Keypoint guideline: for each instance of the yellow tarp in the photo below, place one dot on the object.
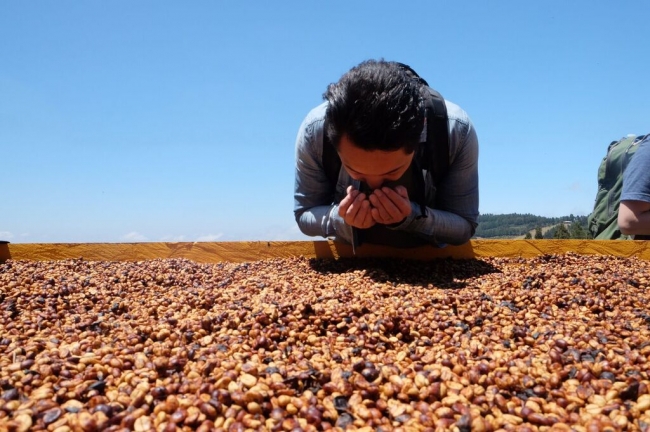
(253, 251)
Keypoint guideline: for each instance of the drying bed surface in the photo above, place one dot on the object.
(558, 342)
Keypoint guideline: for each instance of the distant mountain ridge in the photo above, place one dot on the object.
(513, 225)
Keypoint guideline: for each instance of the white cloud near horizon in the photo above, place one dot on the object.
(293, 233)
(173, 239)
(209, 237)
(134, 236)
(6, 235)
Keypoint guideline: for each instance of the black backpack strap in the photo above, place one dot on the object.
(436, 151)
(437, 136)
(331, 160)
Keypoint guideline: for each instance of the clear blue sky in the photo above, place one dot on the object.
(176, 121)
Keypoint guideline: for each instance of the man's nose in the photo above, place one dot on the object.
(374, 183)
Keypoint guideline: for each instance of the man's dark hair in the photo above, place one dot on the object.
(378, 105)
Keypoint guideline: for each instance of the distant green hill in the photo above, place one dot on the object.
(513, 225)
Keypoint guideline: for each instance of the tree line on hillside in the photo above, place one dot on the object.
(530, 226)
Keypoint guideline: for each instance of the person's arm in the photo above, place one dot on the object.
(634, 217)
(314, 208)
(455, 221)
(634, 209)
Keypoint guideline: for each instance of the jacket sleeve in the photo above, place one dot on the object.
(454, 219)
(314, 207)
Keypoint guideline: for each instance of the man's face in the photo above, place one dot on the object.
(373, 167)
